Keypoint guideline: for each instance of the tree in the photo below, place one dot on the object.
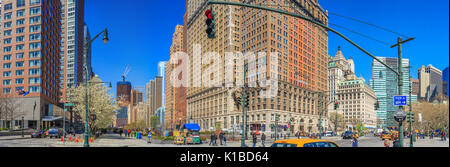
(100, 103)
(154, 122)
(10, 109)
(434, 116)
(340, 120)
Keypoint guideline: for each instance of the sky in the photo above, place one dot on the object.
(141, 34)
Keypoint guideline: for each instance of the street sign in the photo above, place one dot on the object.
(420, 117)
(400, 100)
(69, 104)
(400, 116)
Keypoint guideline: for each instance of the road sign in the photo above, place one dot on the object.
(400, 100)
(69, 104)
(420, 117)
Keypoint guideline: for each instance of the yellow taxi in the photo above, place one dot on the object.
(386, 136)
(304, 143)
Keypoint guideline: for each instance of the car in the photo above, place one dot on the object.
(347, 135)
(386, 135)
(329, 134)
(37, 134)
(304, 143)
(54, 132)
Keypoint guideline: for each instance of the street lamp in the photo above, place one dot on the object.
(88, 45)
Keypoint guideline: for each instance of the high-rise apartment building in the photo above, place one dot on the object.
(430, 79)
(30, 58)
(72, 46)
(302, 65)
(153, 97)
(385, 84)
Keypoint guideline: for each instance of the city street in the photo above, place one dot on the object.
(114, 140)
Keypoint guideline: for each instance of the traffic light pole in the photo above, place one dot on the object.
(244, 98)
(411, 121)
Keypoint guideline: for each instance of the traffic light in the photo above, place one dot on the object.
(210, 23)
(411, 117)
(377, 105)
(93, 117)
(277, 117)
(336, 106)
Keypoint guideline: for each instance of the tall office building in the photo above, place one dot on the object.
(153, 97)
(87, 54)
(123, 100)
(72, 42)
(385, 84)
(338, 68)
(302, 66)
(173, 103)
(430, 79)
(30, 58)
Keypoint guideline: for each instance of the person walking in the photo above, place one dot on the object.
(263, 140)
(224, 140)
(215, 139)
(355, 140)
(221, 138)
(129, 132)
(149, 135)
(120, 132)
(254, 140)
(212, 139)
(126, 132)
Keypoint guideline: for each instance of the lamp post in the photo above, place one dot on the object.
(88, 45)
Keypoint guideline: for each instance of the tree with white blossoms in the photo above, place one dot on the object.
(100, 103)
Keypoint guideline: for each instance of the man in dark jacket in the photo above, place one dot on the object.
(212, 139)
(263, 139)
(221, 138)
(254, 140)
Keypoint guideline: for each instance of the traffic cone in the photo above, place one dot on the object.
(62, 139)
(70, 138)
(92, 140)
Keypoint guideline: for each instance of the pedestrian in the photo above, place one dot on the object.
(387, 143)
(129, 132)
(224, 140)
(221, 138)
(254, 140)
(263, 139)
(212, 139)
(149, 135)
(120, 132)
(215, 139)
(396, 142)
(355, 140)
(126, 132)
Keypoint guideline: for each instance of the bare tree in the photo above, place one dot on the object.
(333, 121)
(10, 109)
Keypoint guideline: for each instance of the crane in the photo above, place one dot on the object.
(125, 72)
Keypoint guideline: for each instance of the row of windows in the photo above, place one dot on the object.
(33, 89)
(33, 46)
(21, 3)
(34, 54)
(33, 37)
(32, 63)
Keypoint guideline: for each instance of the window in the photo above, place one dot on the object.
(8, 15)
(20, 30)
(36, 19)
(35, 63)
(7, 49)
(20, 3)
(35, 54)
(6, 90)
(19, 39)
(7, 74)
(19, 55)
(35, 28)
(35, 11)
(35, 89)
(20, 22)
(36, 45)
(7, 82)
(7, 25)
(20, 13)
(20, 47)
(7, 33)
(6, 57)
(7, 65)
(35, 81)
(19, 81)
(7, 41)
(35, 2)
(19, 72)
(8, 6)
(35, 37)
(36, 71)
(20, 64)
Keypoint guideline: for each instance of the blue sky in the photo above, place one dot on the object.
(141, 33)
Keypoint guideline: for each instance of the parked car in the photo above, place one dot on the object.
(329, 134)
(347, 135)
(37, 134)
(304, 143)
(54, 132)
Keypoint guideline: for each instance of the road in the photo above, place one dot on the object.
(114, 140)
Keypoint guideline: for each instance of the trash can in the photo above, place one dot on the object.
(138, 135)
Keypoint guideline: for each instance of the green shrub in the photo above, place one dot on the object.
(168, 138)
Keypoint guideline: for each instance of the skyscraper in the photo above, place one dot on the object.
(72, 46)
(385, 84)
(30, 58)
(430, 83)
(338, 68)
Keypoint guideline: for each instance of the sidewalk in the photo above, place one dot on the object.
(14, 137)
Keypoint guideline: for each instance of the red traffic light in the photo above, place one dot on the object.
(208, 13)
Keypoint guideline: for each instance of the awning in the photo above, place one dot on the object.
(52, 118)
(193, 127)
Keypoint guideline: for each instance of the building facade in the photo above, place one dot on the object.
(338, 69)
(430, 79)
(30, 59)
(302, 66)
(385, 84)
(72, 42)
(445, 83)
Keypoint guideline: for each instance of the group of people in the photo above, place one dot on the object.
(255, 139)
(222, 137)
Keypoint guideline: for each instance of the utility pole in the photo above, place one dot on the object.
(400, 79)
(243, 101)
